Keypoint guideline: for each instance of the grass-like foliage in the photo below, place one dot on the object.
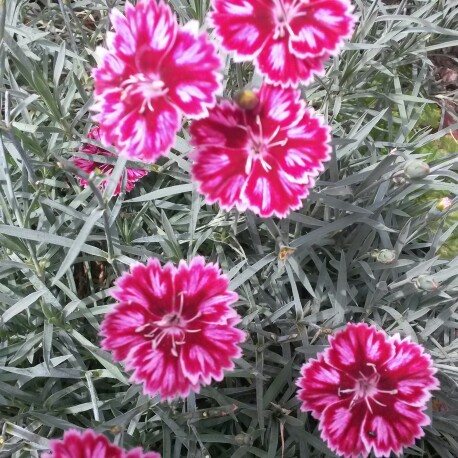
(368, 246)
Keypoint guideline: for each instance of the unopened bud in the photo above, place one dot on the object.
(444, 203)
(384, 256)
(243, 439)
(415, 169)
(246, 99)
(426, 283)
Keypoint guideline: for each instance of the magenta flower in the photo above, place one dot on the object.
(91, 445)
(152, 72)
(288, 39)
(174, 327)
(265, 159)
(133, 175)
(368, 391)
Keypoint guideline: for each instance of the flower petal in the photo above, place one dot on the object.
(307, 149)
(91, 166)
(281, 67)
(357, 348)
(319, 385)
(220, 174)
(411, 372)
(119, 329)
(321, 27)
(221, 128)
(341, 428)
(392, 427)
(87, 445)
(278, 108)
(190, 72)
(156, 28)
(160, 372)
(210, 353)
(271, 192)
(243, 25)
(150, 136)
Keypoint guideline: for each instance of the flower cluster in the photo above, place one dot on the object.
(368, 391)
(153, 71)
(174, 327)
(91, 445)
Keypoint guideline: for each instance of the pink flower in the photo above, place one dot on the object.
(133, 175)
(288, 39)
(265, 159)
(368, 391)
(174, 327)
(91, 445)
(152, 72)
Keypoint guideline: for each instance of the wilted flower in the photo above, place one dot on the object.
(285, 252)
(174, 327)
(91, 445)
(89, 166)
(368, 391)
(151, 73)
(415, 169)
(264, 159)
(289, 40)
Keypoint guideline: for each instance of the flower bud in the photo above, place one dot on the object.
(243, 439)
(444, 203)
(246, 99)
(426, 283)
(385, 256)
(415, 169)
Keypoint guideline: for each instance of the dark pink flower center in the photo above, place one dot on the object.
(283, 15)
(259, 145)
(366, 388)
(172, 326)
(145, 88)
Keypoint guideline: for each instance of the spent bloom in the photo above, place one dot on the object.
(89, 444)
(90, 166)
(174, 327)
(265, 157)
(289, 40)
(151, 73)
(368, 391)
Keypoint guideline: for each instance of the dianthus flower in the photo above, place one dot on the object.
(264, 158)
(368, 391)
(91, 445)
(152, 72)
(173, 326)
(89, 166)
(289, 40)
